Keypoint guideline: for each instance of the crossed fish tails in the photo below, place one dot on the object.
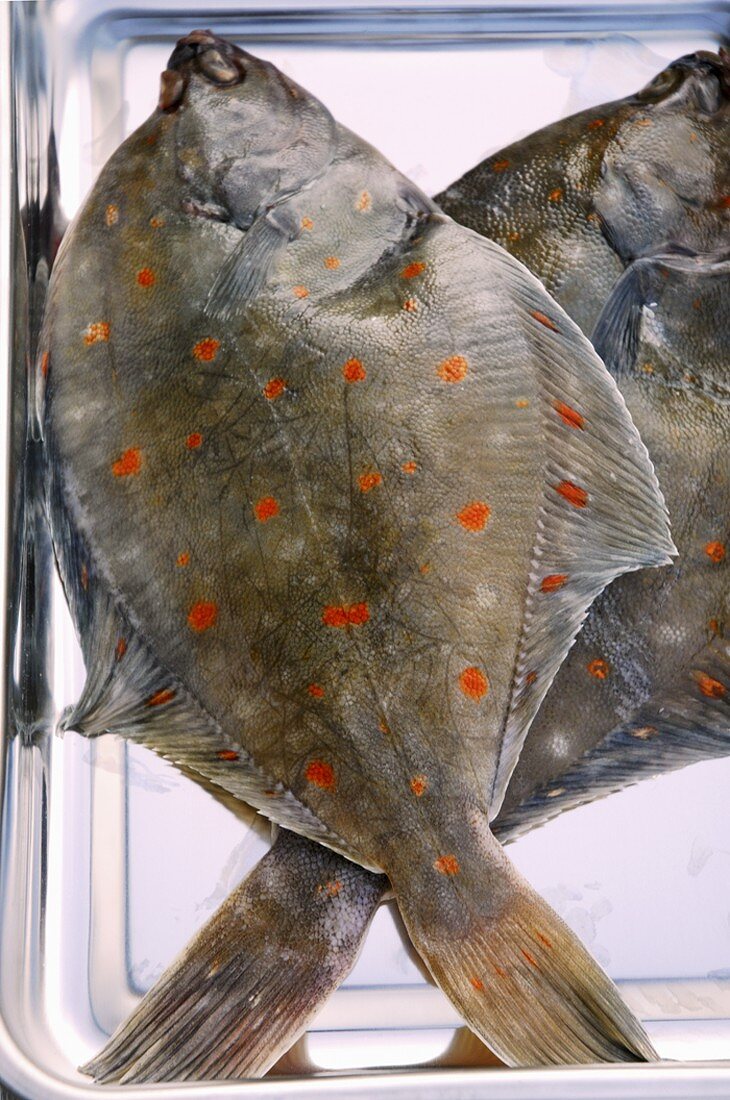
(331, 508)
(579, 200)
(647, 177)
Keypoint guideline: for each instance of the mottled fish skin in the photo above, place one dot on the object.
(325, 498)
(579, 200)
(646, 177)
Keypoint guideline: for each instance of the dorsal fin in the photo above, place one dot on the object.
(601, 513)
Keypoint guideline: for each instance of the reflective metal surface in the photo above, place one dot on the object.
(109, 860)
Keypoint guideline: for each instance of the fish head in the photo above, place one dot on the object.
(665, 182)
(246, 136)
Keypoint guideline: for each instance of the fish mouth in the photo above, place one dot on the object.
(220, 62)
(705, 74)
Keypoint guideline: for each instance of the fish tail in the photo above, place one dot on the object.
(510, 966)
(248, 984)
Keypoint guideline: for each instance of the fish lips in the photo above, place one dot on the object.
(218, 61)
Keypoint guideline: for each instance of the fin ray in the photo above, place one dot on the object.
(227, 1007)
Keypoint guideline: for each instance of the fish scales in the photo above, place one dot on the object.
(258, 520)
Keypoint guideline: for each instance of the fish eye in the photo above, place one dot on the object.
(220, 69)
(667, 81)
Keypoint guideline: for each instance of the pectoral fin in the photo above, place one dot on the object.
(247, 269)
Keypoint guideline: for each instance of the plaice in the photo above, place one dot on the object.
(325, 502)
(556, 230)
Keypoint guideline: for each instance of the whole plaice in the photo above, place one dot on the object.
(325, 500)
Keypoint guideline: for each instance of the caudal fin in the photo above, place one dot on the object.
(248, 984)
(512, 968)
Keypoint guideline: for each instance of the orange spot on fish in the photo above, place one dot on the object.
(474, 516)
(544, 939)
(316, 691)
(44, 364)
(146, 277)
(194, 441)
(419, 785)
(528, 956)
(477, 983)
(202, 615)
(331, 888)
(556, 195)
(715, 551)
(412, 270)
(453, 369)
(369, 481)
(300, 292)
(228, 754)
(129, 464)
(331, 263)
(335, 615)
(425, 568)
(97, 333)
(530, 678)
(499, 971)
(710, 687)
(157, 223)
(354, 371)
(409, 467)
(340, 615)
(364, 202)
(206, 350)
(410, 305)
(522, 403)
(514, 235)
(595, 124)
(544, 320)
(500, 166)
(121, 648)
(84, 577)
(713, 626)
(307, 223)
(358, 614)
(384, 727)
(274, 388)
(473, 683)
(447, 865)
(183, 559)
(553, 581)
(321, 775)
(644, 122)
(598, 668)
(572, 493)
(111, 214)
(266, 508)
(160, 698)
(569, 416)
